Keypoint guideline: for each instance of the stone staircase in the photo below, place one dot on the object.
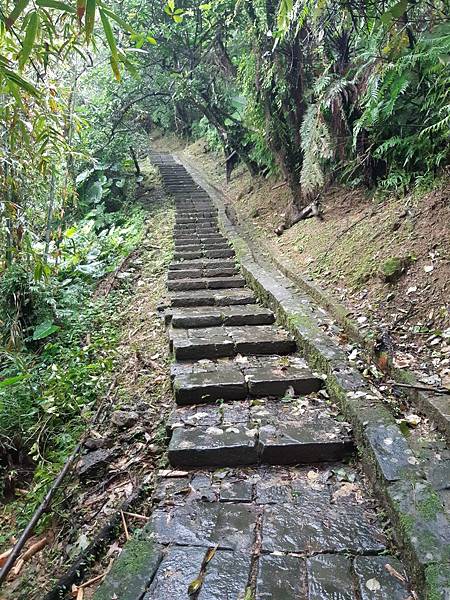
(262, 502)
(228, 348)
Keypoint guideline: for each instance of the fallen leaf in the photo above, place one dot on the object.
(390, 569)
(172, 473)
(209, 555)
(312, 475)
(428, 268)
(413, 420)
(373, 585)
(4, 556)
(346, 489)
(195, 585)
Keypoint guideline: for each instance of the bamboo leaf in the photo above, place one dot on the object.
(109, 34)
(115, 67)
(89, 18)
(112, 15)
(30, 37)
(17, 11)
(209, 555)
(12, 380)
(56, 4)
(81, 9)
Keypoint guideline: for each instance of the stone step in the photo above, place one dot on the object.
(183, 227)
(198, 235)
(242, 434)
(195, 199)
(198, 201)
(193, 213)
(212, 297)
(214, 342)
(210, 316)
(200, 246)
(193, 230)
(207, 283)
(200, 273)
(206, 263)
(220, 253)
(228, 379)
(186, 191)
(188, 241)
(182, 185)
(195, 219)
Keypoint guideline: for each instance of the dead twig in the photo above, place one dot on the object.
(125, 527)
(136, 516)
(423, 388)
(227, 159)
(279, 185)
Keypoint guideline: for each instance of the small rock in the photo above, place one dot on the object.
(93, 464)
(96, 443)
(124, 418)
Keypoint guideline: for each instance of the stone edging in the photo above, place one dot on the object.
(420, 525)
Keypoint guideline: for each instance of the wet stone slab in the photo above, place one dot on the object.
(274, 381)
(394, 456)
(202, 433)
(201, 264)
(236, 491)
(191, 344)
(226, 383)
(281, 577)
(213, 446)
(211, 283)
(209, 380)
(226, 575)
(205, 524)
(318, 440)
(132, 572)
(203, 416)
(212, 342)
(171, 581)
(379, 578)
(330, 576)
(288, 528)
(212, 297)
(202, 316)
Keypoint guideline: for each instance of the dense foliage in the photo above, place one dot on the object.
(317, 91)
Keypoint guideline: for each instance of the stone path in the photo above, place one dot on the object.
(262, 502)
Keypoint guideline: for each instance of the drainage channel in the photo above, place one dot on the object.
(264, 499)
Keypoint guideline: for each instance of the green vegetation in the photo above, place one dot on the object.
(66, 353)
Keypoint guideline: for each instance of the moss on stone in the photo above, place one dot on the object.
(430, 506)
(437, 578)
(407, 523)
(130, 572)
(394, 267)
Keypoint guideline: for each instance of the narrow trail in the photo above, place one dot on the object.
(265, 499)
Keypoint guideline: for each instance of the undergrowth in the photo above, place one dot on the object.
(63, 353)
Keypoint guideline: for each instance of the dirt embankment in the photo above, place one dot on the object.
(386, 261)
